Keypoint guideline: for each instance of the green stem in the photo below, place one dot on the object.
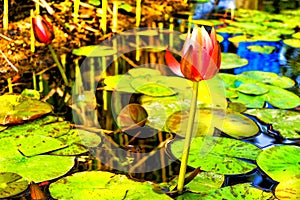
(62, 72)
(188, 138)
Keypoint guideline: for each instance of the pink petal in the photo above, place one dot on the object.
(173, 63)
(206, 42)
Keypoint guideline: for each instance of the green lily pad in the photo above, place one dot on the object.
(120, 83)
(230, 30)
(281, 98)
(270, 78)
(231, 123)
(239, 191)
(281, 163)
(241, 38)
(251, 88)
(11, 184)
(295, 43)
(35, 168)
(285, 121)
(232, 60)
(99, 185)
(17, 109)
(138, 72)
(218, 154)
(250, 101)
(32, 94)
(2, 128)
(77, 141)
(152, 89)
(37, 144)
(94, 51)
(261, 49)
(288, 189)
(296, 35)
(206, 182)
(236, 107)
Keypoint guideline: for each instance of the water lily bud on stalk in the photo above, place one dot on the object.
(44, 33)
(201, 60)
(201, 56)
(43, 30)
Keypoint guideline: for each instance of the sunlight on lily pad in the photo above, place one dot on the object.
(287, 122)
(232, 123)
(239, 191)
(218, 154)
(94, 51)
(99, 185)
(232, 60)
(295, 43)
(288, 189)
(17, 109)
(120, 83)
(281, 163)
(11, 184)
(153, 89)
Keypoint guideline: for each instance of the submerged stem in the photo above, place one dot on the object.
(188, 138)
(62, 72)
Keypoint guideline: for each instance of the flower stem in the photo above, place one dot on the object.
(62, 72)
(188, 138)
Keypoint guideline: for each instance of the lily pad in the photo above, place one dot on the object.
(296, 35)
(206, 182)
(261, 49)
(94, 51)
(2, 128)
(120, 83)
(17, 109)
(153, 89)
(231, 123)
(99, 185)
(281, 163)
(288, 189)
(35, 168)
(270, 78)
(252, 88)
(240, 191)
(250, 101)
(232, 60)
(31, 145)
(220, 155)
(77, 141)
(295, 43)
(281, 98)
(285, 121)
(32, 94)
(11, 184)
(138, 72)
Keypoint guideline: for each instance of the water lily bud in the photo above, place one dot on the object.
(43, 30)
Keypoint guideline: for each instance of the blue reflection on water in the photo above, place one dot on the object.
(259, 61)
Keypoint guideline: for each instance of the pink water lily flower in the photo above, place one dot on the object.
(43, 30)
(201, 56)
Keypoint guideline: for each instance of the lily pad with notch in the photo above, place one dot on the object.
(287, 122)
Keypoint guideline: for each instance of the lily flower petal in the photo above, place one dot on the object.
(173, 64)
